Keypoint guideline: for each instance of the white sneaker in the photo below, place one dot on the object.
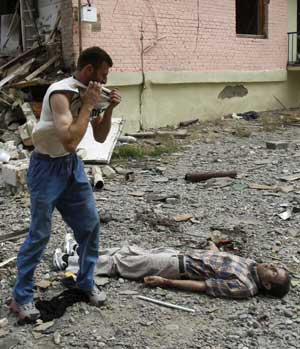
(70, 244)
(58, 262)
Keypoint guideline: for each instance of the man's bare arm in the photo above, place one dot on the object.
(71, 130)
(186, 285)
(101, 126)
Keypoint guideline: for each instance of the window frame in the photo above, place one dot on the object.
(263, 20)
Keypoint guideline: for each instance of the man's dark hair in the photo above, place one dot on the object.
(279, 290)
(94, 56)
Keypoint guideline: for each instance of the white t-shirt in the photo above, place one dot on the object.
(44, 136)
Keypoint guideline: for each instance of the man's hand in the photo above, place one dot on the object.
(91, 96)
(212, 246)
(115, 98)
(154, 280)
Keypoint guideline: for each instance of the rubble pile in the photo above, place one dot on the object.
(24, 80)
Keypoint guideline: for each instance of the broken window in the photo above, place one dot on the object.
(7, 7)
(251, 17)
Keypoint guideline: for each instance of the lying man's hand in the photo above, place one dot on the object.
(154, 280)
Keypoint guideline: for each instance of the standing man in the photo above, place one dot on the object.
(56, 177)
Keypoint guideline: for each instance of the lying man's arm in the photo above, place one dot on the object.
(71, 130)
(186, 285)
(213, 287)
(212, 246)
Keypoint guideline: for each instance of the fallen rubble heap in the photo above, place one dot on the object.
(23, 82)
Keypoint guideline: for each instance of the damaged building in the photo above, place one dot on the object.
(173, 60)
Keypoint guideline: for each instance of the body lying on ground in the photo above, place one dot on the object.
(216, 273)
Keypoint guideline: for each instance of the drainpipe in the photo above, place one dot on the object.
(79, 26)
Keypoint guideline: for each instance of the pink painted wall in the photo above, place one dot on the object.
(175, 41)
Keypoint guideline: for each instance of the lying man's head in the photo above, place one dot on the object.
(274, 281)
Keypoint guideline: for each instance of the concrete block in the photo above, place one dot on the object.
(27, 111)
(277, 145)
(15, 173)
(25, 132)
(108, 172)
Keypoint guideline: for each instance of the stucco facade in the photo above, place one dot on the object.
(173, 58)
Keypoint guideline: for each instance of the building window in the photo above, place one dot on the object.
(251, 17)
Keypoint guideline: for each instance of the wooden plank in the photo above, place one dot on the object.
(34, 82)
(4, 263)
(42, 68)
(58, 19)
(4, 102)
(19, 71)
(20, 57)
(22, 25)
(14, 235)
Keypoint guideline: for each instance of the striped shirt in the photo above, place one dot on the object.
(225, 274)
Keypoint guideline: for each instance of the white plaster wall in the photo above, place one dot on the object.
(13, 43)
(48, 12)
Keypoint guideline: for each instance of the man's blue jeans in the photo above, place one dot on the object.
(58, 183)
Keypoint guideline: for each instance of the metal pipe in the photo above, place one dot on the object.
(79, 26)
(165, 304)
(203, 176)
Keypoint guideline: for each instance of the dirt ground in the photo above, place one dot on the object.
(221, 208)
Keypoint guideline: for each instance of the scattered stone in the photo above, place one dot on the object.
(44, 326)
(108, 172)
(128, 293)
(15, 172)
(57, 338)
(183, 217)
(137, 194)
(43, 284)
(101, 281)
(105, 216)
(277, 145)
(3, 322)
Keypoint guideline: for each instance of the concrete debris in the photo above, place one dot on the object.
(277, 145)
(15, 173)
(108, 172)
(3, 322)
(43, 284)
(127, 139)
(44, 326)
(105, 216)
(286, 214)
(57, 338)
(183, 217)
(4, 156)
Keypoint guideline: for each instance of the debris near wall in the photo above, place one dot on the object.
(24, 80)
(37, 66)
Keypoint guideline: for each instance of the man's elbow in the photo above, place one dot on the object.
(70, 147)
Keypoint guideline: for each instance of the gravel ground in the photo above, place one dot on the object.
(220, 207)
